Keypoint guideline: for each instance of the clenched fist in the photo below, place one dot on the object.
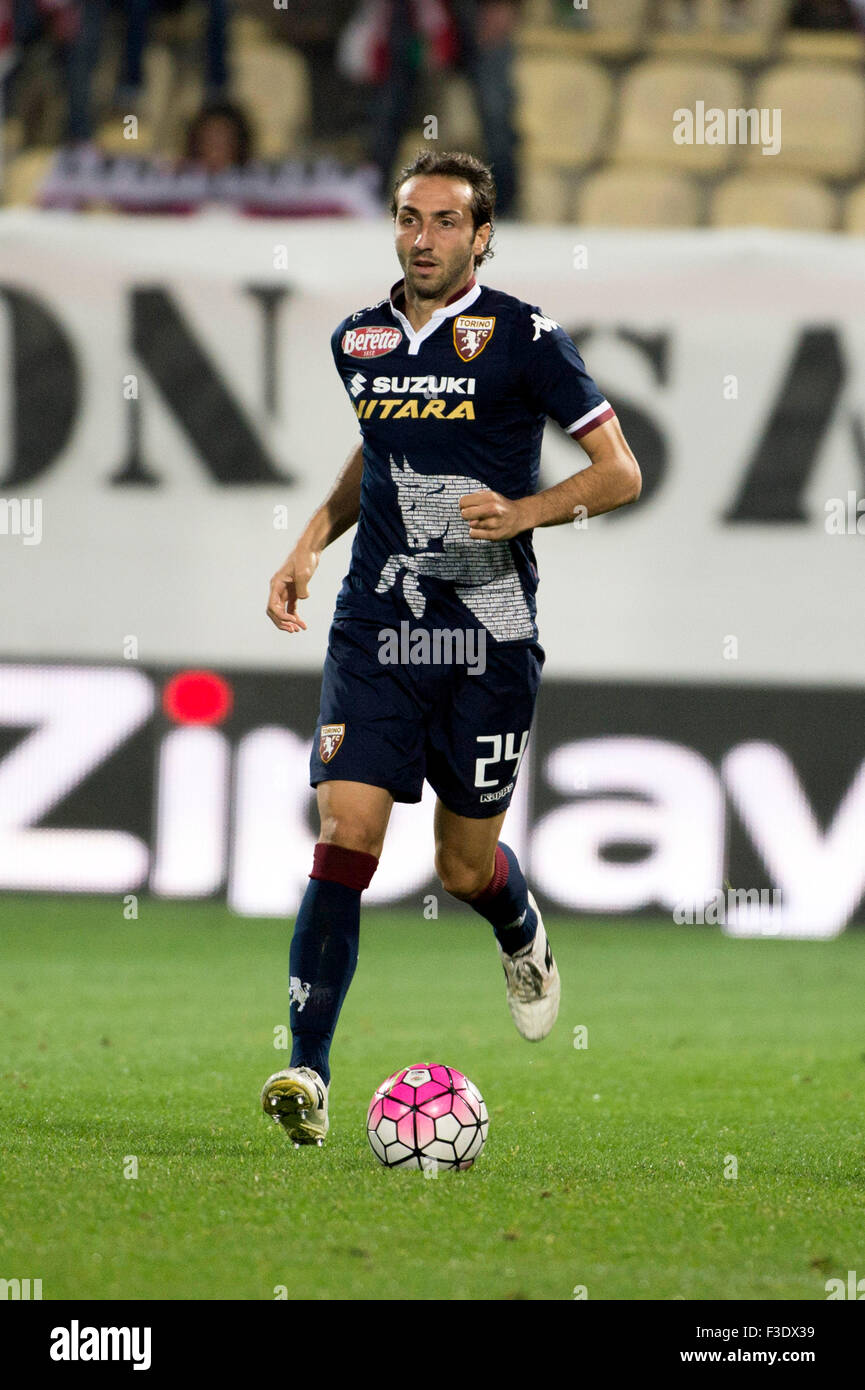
(491, 517)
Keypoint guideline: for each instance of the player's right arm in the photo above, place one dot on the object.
(339, 510)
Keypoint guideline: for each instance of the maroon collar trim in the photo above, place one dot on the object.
(397, 293)
(469, 285)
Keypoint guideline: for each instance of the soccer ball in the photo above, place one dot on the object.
(427, 1116)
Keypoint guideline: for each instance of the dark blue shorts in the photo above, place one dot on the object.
(395, 724)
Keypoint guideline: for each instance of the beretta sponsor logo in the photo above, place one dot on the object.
(371, 341)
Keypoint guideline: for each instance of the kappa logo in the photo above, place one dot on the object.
(329, 739)
(368, 309)
(542, 325)
(471, 335)
(370, 341)
(497, 796)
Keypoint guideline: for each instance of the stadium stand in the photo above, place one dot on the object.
(651, 92)
(24, 175)
(774, 200)
(854, 211)
(823, 110)
(596, 91)
(638, 198)
(273, 84)
(565, 106)
(742, 30)
(614, 29)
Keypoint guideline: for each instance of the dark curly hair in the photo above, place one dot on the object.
(454, 164)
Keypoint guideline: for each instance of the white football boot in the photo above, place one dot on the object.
(534, 987)
(297, 1099)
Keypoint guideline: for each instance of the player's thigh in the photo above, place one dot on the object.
(372, 718)
(476, 738)
(465, 850)
(354, 815)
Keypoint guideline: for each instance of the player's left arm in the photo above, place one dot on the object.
(612, 480)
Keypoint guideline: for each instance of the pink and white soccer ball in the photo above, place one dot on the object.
(427, 1116)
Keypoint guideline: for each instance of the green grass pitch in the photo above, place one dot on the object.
(604, 1168)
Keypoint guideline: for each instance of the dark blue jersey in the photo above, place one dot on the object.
(457, 407)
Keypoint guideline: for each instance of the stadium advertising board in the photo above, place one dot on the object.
(710, 804)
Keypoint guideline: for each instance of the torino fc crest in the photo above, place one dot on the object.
(471, 335)
(329, 739)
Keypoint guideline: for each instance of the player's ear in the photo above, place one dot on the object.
(482, 236)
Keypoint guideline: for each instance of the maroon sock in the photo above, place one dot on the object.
(505, 903)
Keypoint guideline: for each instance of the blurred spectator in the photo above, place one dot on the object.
(74, 29)
(60, 18)
(138, 17)
(388, 42)
(338, 108)
(828, 14)
(219, 138)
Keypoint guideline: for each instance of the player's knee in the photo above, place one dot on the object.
(459, 878)
(352, 833)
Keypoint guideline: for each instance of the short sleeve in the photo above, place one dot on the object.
(555, 377)
(336, 343)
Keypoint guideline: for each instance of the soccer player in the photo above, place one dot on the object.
(433, 661)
